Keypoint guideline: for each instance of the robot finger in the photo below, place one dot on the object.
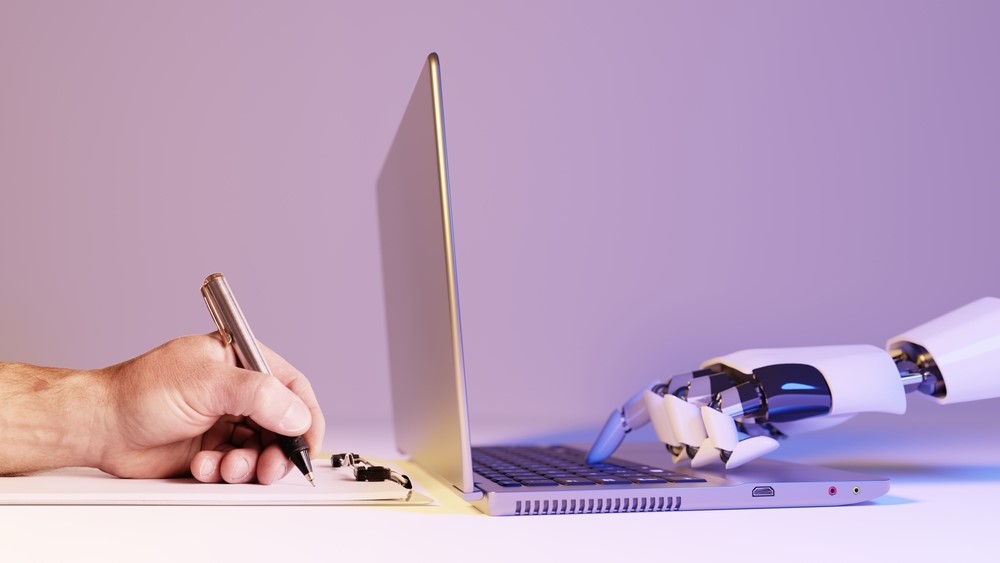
(723, 444)
(631, 415)
(685, 421)
(660, 418)
(677, 423)
(721, 441)
(721, 428)
(750, 449)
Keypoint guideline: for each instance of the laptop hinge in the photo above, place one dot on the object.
(469, 497)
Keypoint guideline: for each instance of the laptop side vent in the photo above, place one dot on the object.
(596, 506)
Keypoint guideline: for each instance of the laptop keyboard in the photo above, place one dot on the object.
(545, 466)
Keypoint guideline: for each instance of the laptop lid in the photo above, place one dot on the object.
(426, 368)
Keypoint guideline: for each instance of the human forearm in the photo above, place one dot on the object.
(183, 408)
(50, 418)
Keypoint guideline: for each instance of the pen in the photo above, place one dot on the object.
(233, 329)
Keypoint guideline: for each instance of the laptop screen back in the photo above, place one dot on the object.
(421, 294)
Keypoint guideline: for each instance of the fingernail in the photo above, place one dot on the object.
(277, 473)
(296, 419)
(242, 470)
(207, 467)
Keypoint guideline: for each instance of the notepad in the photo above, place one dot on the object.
(92, 487)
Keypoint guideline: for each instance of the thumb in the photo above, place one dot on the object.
(262, 398)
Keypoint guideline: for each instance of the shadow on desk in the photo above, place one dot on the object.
(445, 502)
(920, 473)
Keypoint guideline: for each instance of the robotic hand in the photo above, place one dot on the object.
(736, 407)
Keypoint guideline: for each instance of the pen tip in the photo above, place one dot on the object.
(310, 477)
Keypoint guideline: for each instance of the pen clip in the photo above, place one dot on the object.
(226, 336)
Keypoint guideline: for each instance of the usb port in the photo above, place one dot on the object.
(763, 491)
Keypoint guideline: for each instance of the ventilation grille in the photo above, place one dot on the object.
(599, 505)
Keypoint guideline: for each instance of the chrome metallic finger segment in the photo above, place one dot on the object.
(680, 385)
(677, 452)
(739, 401)
(704, 389)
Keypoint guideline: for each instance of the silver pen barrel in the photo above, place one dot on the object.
(233, 326)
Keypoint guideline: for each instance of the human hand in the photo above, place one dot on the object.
(185, 407)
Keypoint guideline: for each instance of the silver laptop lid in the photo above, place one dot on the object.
(426, 369)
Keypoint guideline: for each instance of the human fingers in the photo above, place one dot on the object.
(205, 466)
(222, 432)
(245, 437)
(300, 385)
(272, 465)
(239, 465)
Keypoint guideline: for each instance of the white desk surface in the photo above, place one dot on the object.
(946, 481)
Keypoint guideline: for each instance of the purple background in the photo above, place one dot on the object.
(637, 187)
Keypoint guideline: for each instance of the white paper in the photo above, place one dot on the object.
(91, 486)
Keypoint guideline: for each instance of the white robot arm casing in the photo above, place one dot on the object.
(965, 347)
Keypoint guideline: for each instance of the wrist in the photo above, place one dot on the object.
(88, 413)
(51, 418)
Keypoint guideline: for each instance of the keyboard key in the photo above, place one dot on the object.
(574, 481)
(632, 475)
(538, 482)
(611, 481)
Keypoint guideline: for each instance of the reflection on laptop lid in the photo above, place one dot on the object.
(428, 376)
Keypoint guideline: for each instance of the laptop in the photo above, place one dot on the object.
(427, 374)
